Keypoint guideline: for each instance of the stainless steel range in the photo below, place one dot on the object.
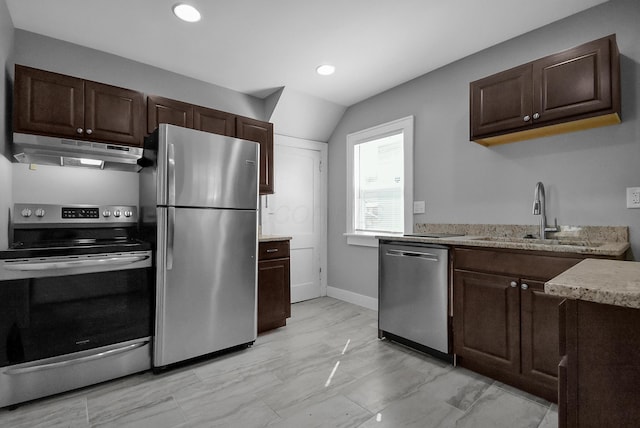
(75, 299)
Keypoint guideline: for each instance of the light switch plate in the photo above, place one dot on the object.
(633, 197)
(418, 207)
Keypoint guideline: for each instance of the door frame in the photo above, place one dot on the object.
(323, 148)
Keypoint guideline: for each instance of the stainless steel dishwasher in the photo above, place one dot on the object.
(412, 296)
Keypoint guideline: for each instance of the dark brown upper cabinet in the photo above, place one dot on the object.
(260, 132)
(53, 104)
(215, 121)
(569, 91)
(165, 110)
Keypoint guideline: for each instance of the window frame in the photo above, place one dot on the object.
(404, 126)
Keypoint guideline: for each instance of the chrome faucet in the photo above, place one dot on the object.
(539, 209)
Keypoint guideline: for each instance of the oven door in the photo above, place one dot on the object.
(53, 306)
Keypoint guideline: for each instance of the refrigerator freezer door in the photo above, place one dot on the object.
(200, 169)
(206, 302)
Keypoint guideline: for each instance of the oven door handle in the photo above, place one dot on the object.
(69, 264)
(57, 362)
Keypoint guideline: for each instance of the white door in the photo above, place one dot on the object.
(297, 209)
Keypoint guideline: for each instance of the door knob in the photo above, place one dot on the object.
(513, 284)
(527, 118)
(524, 286)
(79, 130)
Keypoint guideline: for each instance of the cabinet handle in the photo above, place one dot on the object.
(272, 250)
(527, 118)
(79, 130)
(513, 284)
(89, 131)
(524, 286)
(536, 115)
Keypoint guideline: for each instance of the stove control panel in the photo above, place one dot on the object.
(47, 214)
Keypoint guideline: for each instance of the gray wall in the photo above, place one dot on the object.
(585, 173)
(67, 58)
(6, 46)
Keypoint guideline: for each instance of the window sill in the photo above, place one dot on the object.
(364, 239)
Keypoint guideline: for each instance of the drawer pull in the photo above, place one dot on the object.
(272, 250)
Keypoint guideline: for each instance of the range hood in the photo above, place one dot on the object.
(43, 150)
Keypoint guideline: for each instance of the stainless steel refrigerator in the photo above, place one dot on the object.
(198, 200)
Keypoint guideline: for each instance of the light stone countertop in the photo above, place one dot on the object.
(612, 282)
(273, 238)
(612, 249)
(609, 241)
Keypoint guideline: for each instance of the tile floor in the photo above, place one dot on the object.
(326, 368)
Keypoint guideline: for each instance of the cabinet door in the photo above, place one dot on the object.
(261, 132)
(273, 297)
(214, 121)
(48, 103)
(164, 110)
(113, 114)
(540, 335)
(574, 83)
(501, 102)
(487, 322)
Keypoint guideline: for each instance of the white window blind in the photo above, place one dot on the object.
(379, 181)
(379, 185)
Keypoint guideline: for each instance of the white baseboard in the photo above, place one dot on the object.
(351, 297)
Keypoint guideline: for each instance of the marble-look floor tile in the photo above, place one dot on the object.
(48, 413)
(498, 408)
(521, 393)
(457, 387)
(417, 410)
(337, 411)
(300, 391)
(217, 409)
(376, 390)
(551, 418)
(140, 402)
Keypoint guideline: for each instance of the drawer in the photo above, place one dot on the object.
(522, 265)
(273, 250)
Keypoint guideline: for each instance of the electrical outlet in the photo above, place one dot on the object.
(633, 197)
(418, 207)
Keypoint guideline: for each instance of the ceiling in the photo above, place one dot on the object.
(258, 46)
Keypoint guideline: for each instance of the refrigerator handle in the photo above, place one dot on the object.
(170, 232)
(172, 175)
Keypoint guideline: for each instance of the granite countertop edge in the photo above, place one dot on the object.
(612, 282)
(614, 249)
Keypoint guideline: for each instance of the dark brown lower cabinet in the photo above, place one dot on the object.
(274, 293)
(504, 325)
(600, 367)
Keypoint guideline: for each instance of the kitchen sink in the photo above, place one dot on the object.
(574, 243)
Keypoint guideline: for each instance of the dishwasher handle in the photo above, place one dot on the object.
(415, 254)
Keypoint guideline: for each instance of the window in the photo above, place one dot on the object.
(379, 181)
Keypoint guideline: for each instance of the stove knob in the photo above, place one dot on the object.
(106, 213)
(40, 212)
(116, 213)
(128, 213)
(26, 212)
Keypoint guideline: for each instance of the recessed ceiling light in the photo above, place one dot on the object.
(186, 12)
(325, 70)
